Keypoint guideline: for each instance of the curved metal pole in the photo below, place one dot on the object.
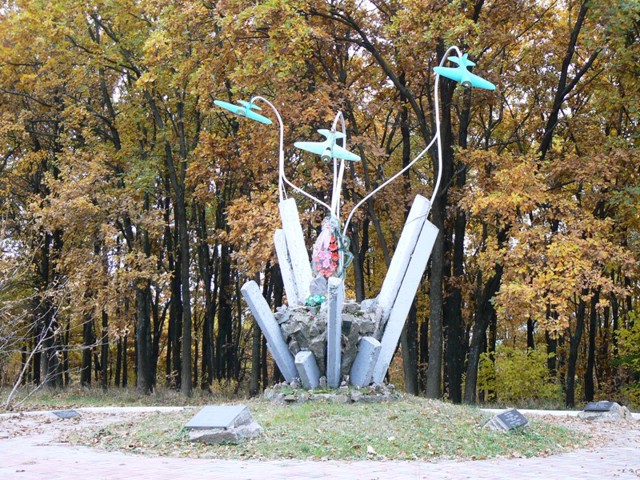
(337, 183)
(436, 137)
(282, 179)
(437, 105)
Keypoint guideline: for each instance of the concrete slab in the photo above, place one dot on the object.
(334, 330)
(219, 416)
(402, 255)
(307, 369)
(300, 264)
(286, 270)
(366, 358)
(66, 414)
(404, 299)
(270, 329)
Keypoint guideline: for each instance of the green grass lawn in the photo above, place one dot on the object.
(409, 429)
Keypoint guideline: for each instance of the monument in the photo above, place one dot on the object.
(319, 334)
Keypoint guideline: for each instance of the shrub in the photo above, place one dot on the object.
(515, 376)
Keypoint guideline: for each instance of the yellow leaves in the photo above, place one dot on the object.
(505, 184)
(146, 80)
(253, 221)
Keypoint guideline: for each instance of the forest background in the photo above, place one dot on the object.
(132, 209)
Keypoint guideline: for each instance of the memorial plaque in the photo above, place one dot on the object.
(602, 406)
(65, 414)
(213, 416)
(507, 421)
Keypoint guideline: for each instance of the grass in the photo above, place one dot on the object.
(77, 396)
(410, 429)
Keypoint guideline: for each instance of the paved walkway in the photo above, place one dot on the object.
(37, 456)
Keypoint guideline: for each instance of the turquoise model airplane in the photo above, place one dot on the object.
(245, 110)
(328, 149)
(462, 75)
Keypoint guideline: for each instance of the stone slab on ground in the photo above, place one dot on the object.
(223, 424)
(219, 416)
(66, 414)
(616, 412)
(506, 421)
(227, 435)
(601, 406)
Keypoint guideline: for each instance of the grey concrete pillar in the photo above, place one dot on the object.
(402, 255)
(286, 270)
(300, 263)
(366, 358)
(271, 330)
(404, 299)
(334, 330)
(307, 369)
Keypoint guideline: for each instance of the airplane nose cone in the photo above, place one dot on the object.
(466, 84)
(326, 156)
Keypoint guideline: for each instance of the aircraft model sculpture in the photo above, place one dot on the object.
(245, 110)
(328, 149)
(320, 283)
(462, 74)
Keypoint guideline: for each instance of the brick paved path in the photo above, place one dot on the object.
(37, 456)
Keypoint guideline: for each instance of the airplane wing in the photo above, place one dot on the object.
(319, 148)
(327, 133)
(249, 105)
(480, 82)
(462, 61)
(255, 116)
(228, 106)
(243, 111)
(450, 73)
(344, 154)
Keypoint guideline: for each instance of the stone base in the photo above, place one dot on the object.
(286, 393)
(616, 413)
(227, 435)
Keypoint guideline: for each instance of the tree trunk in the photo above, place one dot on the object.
(531, 344)
(119, 356)
(456, 343)
(144, 353)
(206, 273)
(254, 381)
(573, 354)
(423, 354)
(552, 348)
(455, 350)
(88, 341)
(358, 251)
(181, 222)
(589, 387)
(409, 336)
(485, 313)
(225, 318)
(434, 370)
(438, 261)
(409, 344)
